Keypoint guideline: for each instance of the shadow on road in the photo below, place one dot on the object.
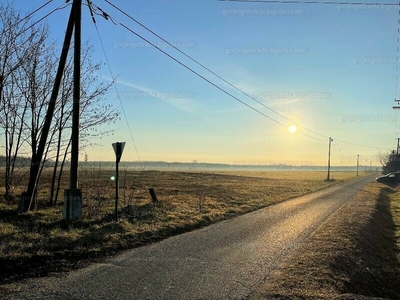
(379, 271)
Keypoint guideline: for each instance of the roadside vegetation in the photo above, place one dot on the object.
(394, 196)
(28, 67)
(40, 241)
(353, 255)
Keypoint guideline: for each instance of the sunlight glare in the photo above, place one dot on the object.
(292, 128)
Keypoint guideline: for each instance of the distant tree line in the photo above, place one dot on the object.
(28, 63)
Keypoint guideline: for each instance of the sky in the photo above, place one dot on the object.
(330, 70)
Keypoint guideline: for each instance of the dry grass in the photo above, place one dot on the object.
(395, 211)
(350, 256)
(39, 242)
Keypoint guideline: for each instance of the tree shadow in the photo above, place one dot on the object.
(378, 274)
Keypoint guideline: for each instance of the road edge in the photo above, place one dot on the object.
(350, 256)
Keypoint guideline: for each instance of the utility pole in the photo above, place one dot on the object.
(398, 146)
(73, 196)
(397, 155)
(77, 95)
(358, 161)
(329, 158)
(397, 106)
(29, 197)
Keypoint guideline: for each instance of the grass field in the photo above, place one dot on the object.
(39, 242)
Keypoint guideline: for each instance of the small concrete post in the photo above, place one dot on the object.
(72, 204)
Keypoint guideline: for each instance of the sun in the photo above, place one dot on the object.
(292, 128)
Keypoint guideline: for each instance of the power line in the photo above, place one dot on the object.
(47, 15)
(201, 76)
(32, 13)
(312, 137)
(341, 149)
(361, 145)
(119, 98)
(218, 76)
(312, 2)
(212, 72)
(41, 19)
(107, 17)
(190, 69)
(227, 82)
(113, 78)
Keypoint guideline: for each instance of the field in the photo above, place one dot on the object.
(39, 242)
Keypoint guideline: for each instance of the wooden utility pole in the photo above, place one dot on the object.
(358, 161)
(398, 146)
(397, 155)
(27, 198)
(77, 95)
(397, 106)
(329, 158)
(73, 196)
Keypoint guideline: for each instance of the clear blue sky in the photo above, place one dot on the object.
(330, 69)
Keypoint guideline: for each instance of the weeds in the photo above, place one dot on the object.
(186, 201)
(201, 202)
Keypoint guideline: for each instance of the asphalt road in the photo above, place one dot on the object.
(227, 260)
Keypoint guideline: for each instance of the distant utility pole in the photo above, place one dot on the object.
(329, 158)
(398, 146)
(397, 155)
(358, 161)
(397, 106)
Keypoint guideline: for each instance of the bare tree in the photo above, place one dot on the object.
(26, 79)
(93, 113)
(16, 44)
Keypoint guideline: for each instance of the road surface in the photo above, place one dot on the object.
(227, 260)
